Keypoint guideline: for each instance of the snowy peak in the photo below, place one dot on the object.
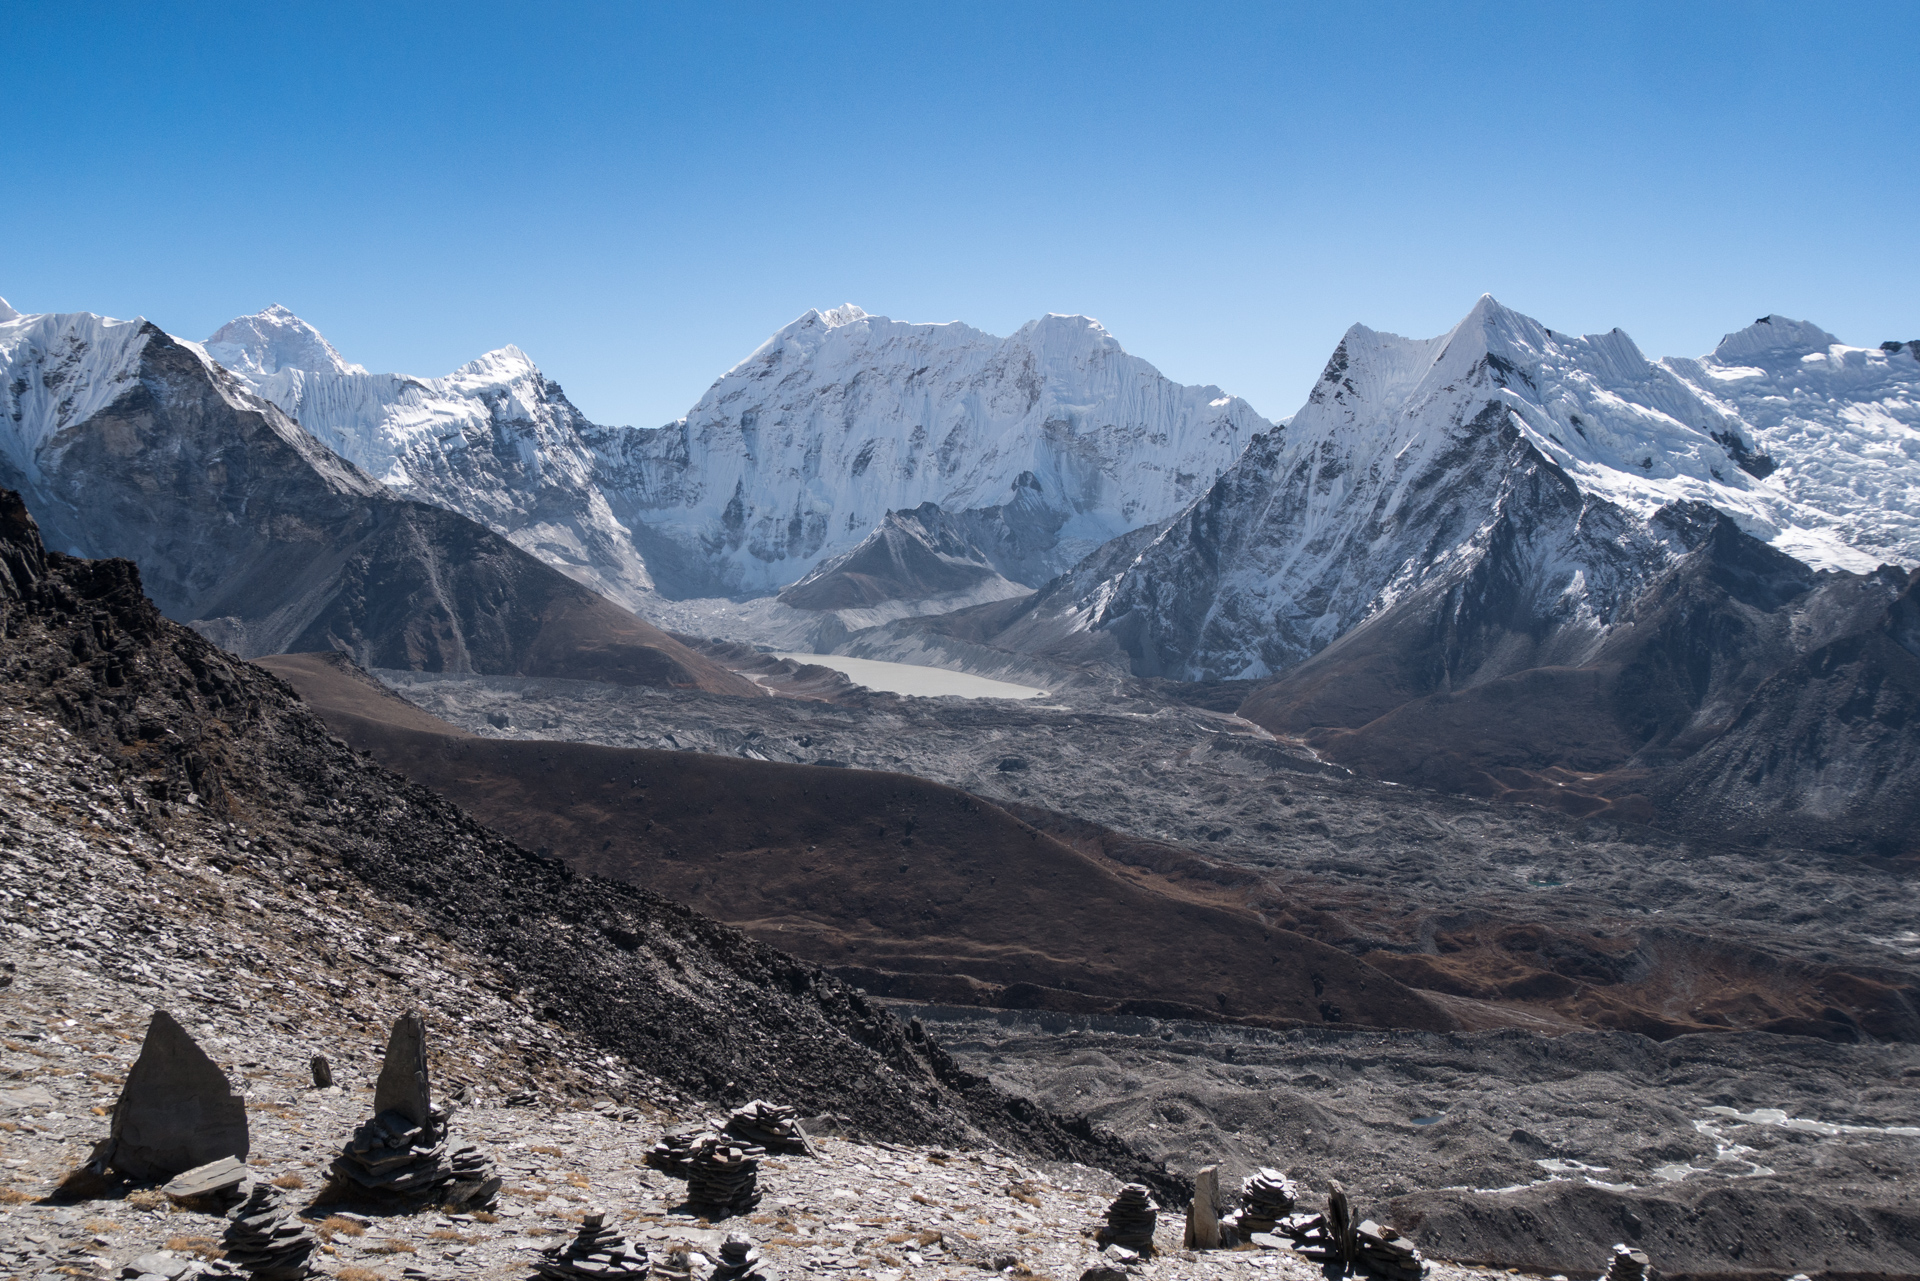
(1774, 335)
(7, 313)
(267, 342)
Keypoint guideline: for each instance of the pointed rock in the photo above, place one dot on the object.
(177, 1110)
(403, 1084)
(1203, 1221)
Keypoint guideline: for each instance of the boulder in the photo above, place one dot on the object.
(177, 1111)
(402, 1086)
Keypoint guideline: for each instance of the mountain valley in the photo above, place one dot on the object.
(1493, 786)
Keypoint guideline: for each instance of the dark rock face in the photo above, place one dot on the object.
(249, 530)
(177, 1111)
(402, 1087)
(912, 555)
(690, 1001)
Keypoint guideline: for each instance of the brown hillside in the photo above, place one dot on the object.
(931, 891)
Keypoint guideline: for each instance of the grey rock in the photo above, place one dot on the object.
(402, 1087)
(322, 1071)
(176, 1112)
(1203, 1222)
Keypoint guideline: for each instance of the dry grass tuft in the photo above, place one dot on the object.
(579, 1180)
(447, 1234)
(334, 1225)
(289, 1181)
(147, 1199)
(14, 1196)
(395, 1245)
(546, 1150)
(360, 1274)
(485, 1216)
(205, 1247)
(102, 1225)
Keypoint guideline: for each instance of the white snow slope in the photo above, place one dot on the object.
(789, 459)
(799, 450)
(1842, 425)
(1412, 458)
(494, 441)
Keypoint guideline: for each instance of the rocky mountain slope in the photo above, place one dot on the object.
(168, 753)
(132, 443)
(1048, 442)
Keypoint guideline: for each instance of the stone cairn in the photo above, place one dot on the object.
(1338, 1235)
(673, 1154)
(740, 1261)
(267, 1241)
(1266, 1197)
(598, 1253)
(723, 1179)
(403, 1150)
(1131, 1220)
(769, 1126)
(1626, 1264)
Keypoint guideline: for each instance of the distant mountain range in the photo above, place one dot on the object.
(1506, 559)
(1049, 443)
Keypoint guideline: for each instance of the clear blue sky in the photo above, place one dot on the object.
(639, 194)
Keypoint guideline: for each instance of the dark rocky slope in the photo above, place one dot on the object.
(201, 741)
(249, 530)
(922, 890)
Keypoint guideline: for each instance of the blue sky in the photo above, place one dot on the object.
(639, 194)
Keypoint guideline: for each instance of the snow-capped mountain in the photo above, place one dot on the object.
(125, 441)
(1569, 463)
(1841, 424)
(801, 449)
(494, 440)
(790, 459)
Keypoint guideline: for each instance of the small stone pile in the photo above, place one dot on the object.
(740, 1261)
(403, 1150)
(1266, 1197)
(1131, 1220)
(675, 1265)
(770, 1126)
(723, 1179)
(267, 1240)
(598, 1253)
(673, 1154)
(1386, 1252)
(1335, 1236)
(1626, 1264)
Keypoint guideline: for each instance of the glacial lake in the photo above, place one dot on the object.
(921, 682)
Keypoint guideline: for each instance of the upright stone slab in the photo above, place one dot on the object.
(1203, 1221)
(176, 1112)
(403, 1086)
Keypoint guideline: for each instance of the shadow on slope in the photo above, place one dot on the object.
(919, 889)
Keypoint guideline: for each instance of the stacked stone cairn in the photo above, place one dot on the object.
(1266, 1197)
(740, 1261)
(267, 1241)
(598, 1253)
(673, 1154)
(769, 1126)
(1626, 1264)
(1131, 1220)
(1338, 1235)
(403, 1151)
(723, 1179)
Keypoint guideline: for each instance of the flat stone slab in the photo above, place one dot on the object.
(215, 1176)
